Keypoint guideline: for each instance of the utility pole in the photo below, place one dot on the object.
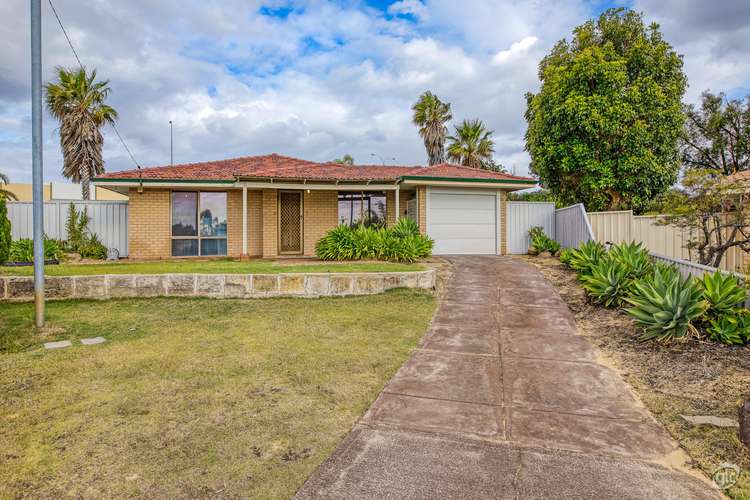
(171, 143)
(36, 160)
(382, 160)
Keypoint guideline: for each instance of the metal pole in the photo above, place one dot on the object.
(36, 159)
(171, 142)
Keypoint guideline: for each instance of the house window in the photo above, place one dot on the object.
(199, 223)
(366, 208)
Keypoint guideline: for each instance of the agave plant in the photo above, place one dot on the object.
(731, 328)
(666, 304)
(634, 257)
(723, 292)
(608, 282)
(583, 258)
(540, 242)
(565, 255)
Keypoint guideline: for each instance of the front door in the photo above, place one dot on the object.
(290, 222)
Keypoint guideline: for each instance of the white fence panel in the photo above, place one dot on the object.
(522, 216)
(572, 226)
(108, 219)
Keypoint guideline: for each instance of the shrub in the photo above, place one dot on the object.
(402, 243)
(540, 242)
(93, 248)
(565, 256)
(665, 304)
(80, 239)
(608, 282)
(723, 292)
(405, 227)
(633, 258)
(5, 240)
(732, 327)
(583, 258)
(23, 250)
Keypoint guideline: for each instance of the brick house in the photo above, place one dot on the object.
(272, 205)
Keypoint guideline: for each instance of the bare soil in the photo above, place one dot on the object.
(694, 377)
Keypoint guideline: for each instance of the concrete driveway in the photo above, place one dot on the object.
(503, 400)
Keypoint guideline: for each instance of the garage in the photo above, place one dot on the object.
(462, 221)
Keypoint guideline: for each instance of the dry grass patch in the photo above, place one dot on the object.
(193, 397)
(688, 378)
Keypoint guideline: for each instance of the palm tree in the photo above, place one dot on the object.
(472, 145)
(430, 115)
(76, 99)
(4, 193)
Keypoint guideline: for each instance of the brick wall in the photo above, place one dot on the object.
(149, 234)
(502, 222)
(270, 223)
(254, 227)
(321, 213)
(422, 210)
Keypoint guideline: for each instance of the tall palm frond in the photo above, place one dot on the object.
(4, 193)
(77, 101)
(430, 115)
(472, 145)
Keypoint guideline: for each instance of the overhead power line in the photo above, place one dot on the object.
(72, 48)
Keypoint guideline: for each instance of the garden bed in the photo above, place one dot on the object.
(682, 378)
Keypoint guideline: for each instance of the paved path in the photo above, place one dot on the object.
(503, 400)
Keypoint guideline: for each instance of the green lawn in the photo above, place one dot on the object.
(221, 266)
(192, 397)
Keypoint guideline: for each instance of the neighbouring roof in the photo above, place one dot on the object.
(280, 167)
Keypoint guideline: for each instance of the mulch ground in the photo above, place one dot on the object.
(684, 378)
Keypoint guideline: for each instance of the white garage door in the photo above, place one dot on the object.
(462, 222)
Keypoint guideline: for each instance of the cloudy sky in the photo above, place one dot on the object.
(320, 79)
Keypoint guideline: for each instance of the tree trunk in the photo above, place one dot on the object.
(85, 183)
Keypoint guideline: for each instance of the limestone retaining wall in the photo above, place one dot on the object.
(15, 288)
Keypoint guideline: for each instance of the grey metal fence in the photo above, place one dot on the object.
(572, 226)
(522, 216)
(108, 219)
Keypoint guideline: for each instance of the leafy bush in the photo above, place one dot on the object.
(583, 258)
(723, 292)
(540, 242)
(405, 227)
(5, 240)
(23, 250)
(633, 258)
(732, 327)
(80, 239)
(565, 256)
(402, 243)
(608, 282)
(666, 304)
(93, 248)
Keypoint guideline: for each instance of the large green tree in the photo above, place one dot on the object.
(717, 134)
(604, 127)
(430, 115)
(77, 100)
(472, 145)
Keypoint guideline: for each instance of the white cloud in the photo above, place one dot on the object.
(518, 49)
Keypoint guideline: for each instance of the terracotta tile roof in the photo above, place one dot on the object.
(283, 167)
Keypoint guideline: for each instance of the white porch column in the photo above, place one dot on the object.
(244, 221)
(398, 211)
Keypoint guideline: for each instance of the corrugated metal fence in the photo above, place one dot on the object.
(623, 226)
(572, 226)
(108, 219)
(522, 216)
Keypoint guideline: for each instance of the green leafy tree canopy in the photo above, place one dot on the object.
(717, 134)
(604, 127)
(472, 145)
